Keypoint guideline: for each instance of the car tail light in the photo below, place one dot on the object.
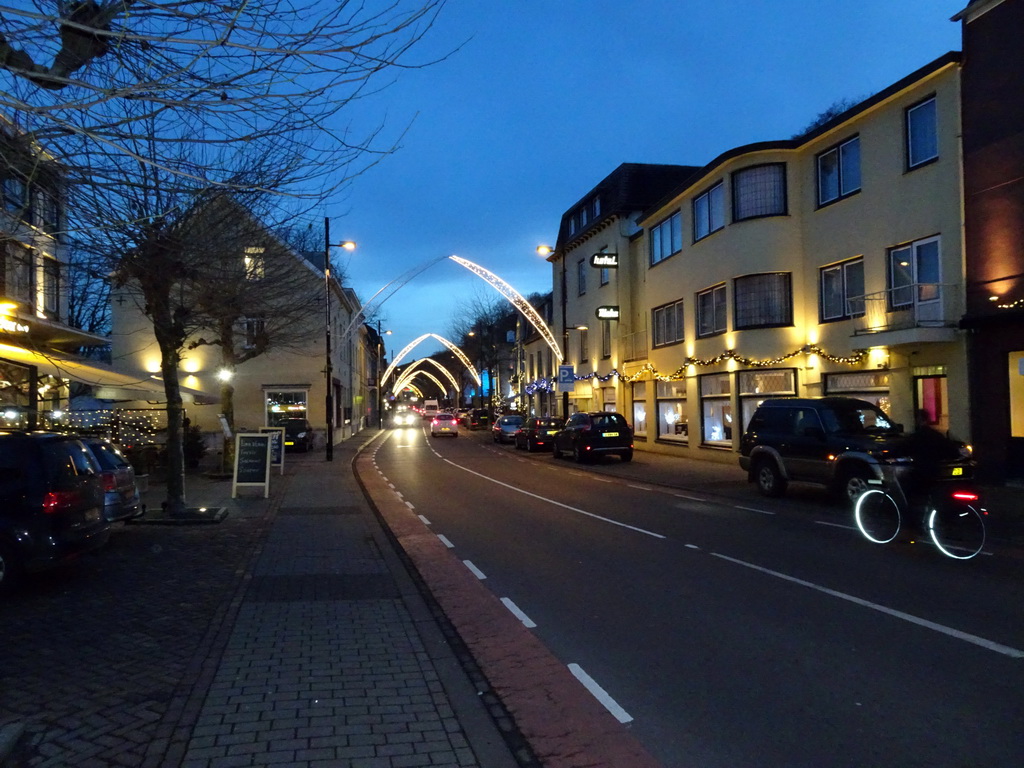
(59, 501)
(109, 481)
(965, 496)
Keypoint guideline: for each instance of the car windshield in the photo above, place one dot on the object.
(854, 420)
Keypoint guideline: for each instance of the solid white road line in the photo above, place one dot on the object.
(835, 525)
(527, 621)
(641, 487)
(444, 540)
(966, 637)
(600, 694)
(557, 503)
(691, 498)
(475, 571)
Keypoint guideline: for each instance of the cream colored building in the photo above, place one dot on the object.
(827, 264)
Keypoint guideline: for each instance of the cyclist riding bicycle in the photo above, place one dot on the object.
(930, 450)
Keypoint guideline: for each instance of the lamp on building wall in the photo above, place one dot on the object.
(348, 245)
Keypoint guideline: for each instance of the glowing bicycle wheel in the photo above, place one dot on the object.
(878, 516)
(957, 530)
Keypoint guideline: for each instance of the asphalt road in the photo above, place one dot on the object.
(731, 630)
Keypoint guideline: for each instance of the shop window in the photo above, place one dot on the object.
(716, 409)
(872, 386)
(756, 386)
(285, 404)
(1017, 394)
(640, 408)
(673, 422)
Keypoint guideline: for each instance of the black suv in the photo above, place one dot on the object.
(586, 435)
(51, 503)
(840, 442)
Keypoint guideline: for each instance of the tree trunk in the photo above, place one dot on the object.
(175, 415)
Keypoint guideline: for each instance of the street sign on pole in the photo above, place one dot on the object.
(566, 378)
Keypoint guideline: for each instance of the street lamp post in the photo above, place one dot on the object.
(348, 245)
(547, 250)
(380, 381)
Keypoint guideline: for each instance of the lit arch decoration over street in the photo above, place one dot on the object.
(516, 299)
(413, 369)
(458, 353)
(429, 375)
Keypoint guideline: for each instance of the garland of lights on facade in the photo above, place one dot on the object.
(547, 385)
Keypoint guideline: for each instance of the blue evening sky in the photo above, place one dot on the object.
(547, 97)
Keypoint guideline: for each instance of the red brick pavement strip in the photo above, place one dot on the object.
(564, 724)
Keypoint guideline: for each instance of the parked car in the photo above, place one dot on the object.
(505, 428)
(838, 442)
(120, 495)
(51, 503)
(537, 432)
(586, 435)
(298, 434)
(478, 419)
(444, 424)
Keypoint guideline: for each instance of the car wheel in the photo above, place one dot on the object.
(530, 446)
(770, 481)
(627, 455)
(10, 569)
(853, 484)
(577, 454)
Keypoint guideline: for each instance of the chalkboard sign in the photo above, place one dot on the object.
(276, 446)
(252, 462)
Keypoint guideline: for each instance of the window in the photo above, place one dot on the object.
(922, 134)
(716, 409)
(597, 207)
(666, 238)
(759, 191)
(581, 276)
(605, 275)
(673, 424)
(640, 409)
(15, 194)
(842, 290)
(709, 212)
(1016, 388)
(18, 272)
(606, 339)
(255, 268)
(667, 322)
(255, 331)
(914, 274)
(762, 301)
(755, 386)
(285, 404)
(584, 345)
(839, 171)
(51, 287)
(711, 311)
(584, 217)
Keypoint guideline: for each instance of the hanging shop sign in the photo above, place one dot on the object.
(607, 313)
(10, 325)
(605, 260)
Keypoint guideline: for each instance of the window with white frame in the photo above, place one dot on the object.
(51, 287)
(667, 323)
(712, 311)
(709, 212)
(255, 267)
(606, 338)
(640, 408)
(759, 191)
(922, 133)
(839, 171)
(18, 272)
(673, 422)
(581, 276)
(666, 238)
(842, 290)
(755, 386)
(763, 301)
(597, 206)
(716, 409)
(914, 273)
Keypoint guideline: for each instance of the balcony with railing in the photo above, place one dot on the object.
(907, 314)
(633, 346)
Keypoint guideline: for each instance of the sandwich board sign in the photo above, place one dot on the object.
(276, 446)
(252, 462)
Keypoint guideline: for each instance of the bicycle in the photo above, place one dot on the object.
(952, 517)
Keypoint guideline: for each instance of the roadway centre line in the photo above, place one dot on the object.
(751, 509)
(836, 525)
(475, 571)
(527, 621)
(691, 498)
(425, 521)
(409, 505)
(641, 487)
(557, 503)
(1006, 650)
(600, 694)
(444, 540)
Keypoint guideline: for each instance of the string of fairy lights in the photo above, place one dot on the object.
(856, 358)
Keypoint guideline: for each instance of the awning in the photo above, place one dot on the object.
(108, 383)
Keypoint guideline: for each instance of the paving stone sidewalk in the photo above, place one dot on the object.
(289, 634)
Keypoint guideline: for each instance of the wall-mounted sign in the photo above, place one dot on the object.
(607, 313)
(605, 260)
(10, 325)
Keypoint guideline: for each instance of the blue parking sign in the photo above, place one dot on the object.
(566, 378)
